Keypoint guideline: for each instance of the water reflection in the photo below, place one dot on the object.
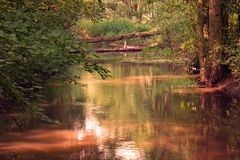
(89, 126)
(143, 112)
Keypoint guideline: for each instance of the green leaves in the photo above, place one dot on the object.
(176, 20)
(35, 48)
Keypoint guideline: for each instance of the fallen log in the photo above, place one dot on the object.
(102, 50)
(121, 37)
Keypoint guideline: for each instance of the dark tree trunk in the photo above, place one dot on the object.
(215, 38)
(239, 23)
(225, 17)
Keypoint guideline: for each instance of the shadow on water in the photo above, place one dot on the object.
(143, 112)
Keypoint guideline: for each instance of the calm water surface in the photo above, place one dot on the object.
(144, 112)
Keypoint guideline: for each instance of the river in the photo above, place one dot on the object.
(143, 112)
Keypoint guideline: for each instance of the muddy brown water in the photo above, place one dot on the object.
(144, 112)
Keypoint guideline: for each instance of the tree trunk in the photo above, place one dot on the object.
(201, 45)
(215, 38)
(225, 17)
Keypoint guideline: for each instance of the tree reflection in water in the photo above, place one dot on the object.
(143, 112)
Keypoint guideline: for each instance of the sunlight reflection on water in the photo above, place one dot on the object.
(128, 151)
(91, 126)
(125, 150)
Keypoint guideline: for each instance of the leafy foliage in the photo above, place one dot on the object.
(232, 56)
(175, 18)
(35, 47)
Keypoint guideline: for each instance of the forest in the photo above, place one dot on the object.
(157, 65)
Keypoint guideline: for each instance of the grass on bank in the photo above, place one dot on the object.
(108, 27)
